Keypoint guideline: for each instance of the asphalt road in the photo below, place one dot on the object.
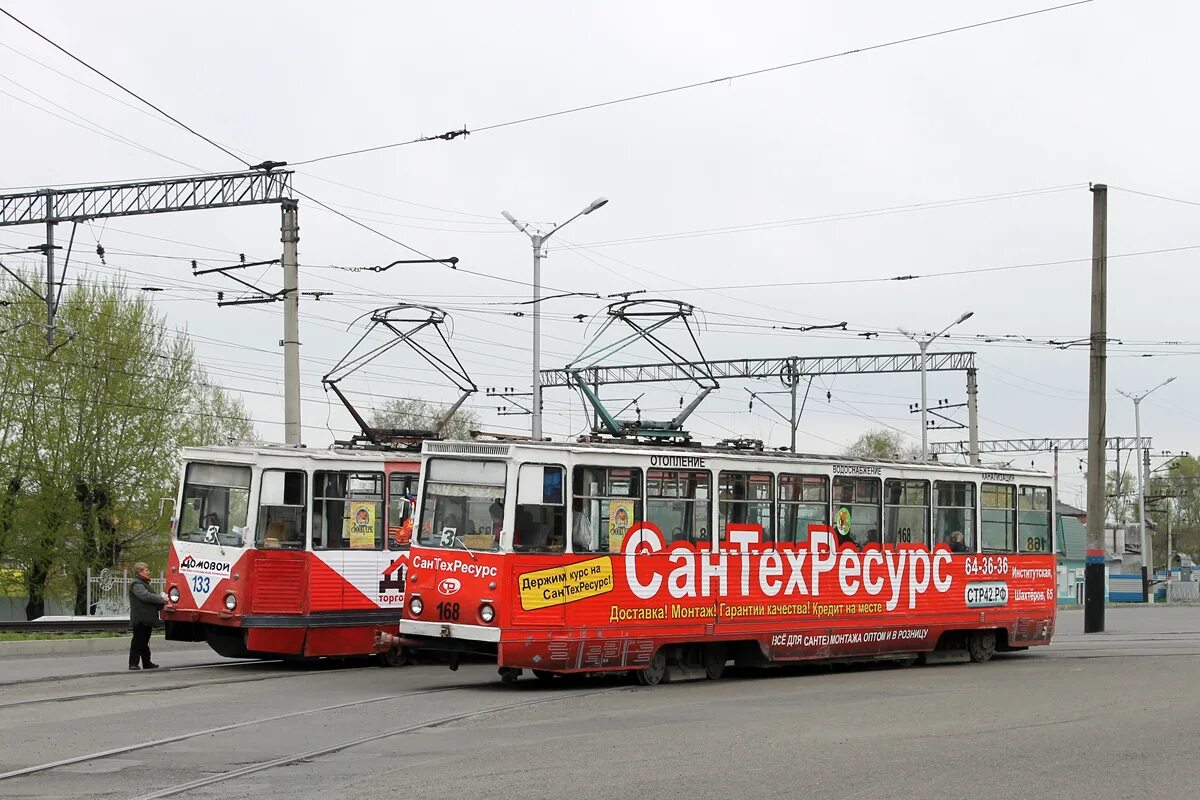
(1111, 715)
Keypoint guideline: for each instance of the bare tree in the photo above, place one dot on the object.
(883, 443)
(415, 414)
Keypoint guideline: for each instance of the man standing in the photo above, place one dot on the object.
(143, 616)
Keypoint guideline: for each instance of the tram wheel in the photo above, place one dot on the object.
(656, 671)
(545, 676)
(509, 674)
(715, 656)
(394, 658)
(981, 645)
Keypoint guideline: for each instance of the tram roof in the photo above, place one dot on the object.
(250, 453)
(510, 448)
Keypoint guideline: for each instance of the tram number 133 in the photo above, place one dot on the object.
(448, 611)
(201, 584)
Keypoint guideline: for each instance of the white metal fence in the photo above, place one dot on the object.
(108, 592)
(1183, 592)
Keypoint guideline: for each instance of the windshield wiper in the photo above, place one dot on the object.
(464, 547)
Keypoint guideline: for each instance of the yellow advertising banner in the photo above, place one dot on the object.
(560, 585)
(362, 525)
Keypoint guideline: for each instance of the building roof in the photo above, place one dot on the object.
(1068, 510)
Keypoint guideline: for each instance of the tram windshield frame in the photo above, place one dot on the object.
(463, 504)
(214, 490)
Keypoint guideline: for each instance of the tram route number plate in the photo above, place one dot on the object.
(445, 631)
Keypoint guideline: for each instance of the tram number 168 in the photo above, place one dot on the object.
(448, 611)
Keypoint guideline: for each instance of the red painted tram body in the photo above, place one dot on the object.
(281, 551)
(568, 558)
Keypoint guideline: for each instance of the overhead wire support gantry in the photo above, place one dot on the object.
(259, 186)
(792, 371)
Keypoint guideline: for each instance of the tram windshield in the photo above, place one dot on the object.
(463, 505)
(216, 501)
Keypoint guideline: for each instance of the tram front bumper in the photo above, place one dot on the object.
(449, 630)
(450, 637)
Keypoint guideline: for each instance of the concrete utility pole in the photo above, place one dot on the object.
(1093, 576)
(291, 322)
(973, 416)
(1168, 556)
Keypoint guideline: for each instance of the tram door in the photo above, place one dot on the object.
(401, 504)
(539, 543)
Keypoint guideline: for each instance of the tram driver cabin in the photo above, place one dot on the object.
(562, 558)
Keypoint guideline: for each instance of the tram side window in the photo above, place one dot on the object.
(347, 510)
(402, 488)
(606, 502)
(746, 498)
(954, 515)
(803, 501)
(541, 521)
(281, 510)
(906, 511)
(999, 518)
(856, 510)
(216, 503)
(1033, 519)
(679, 504)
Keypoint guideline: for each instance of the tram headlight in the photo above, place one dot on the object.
(173, 594)
(487, 613)
(416, 606)
(231, 601)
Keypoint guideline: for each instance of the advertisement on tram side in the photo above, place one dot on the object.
(810, 599)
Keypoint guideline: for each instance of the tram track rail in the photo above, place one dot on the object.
(148, 690)
(132, 748)
(309, 755)
(111, 672)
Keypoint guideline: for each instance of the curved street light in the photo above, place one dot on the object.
(539, 239)
(1137, 417)
(923, 342)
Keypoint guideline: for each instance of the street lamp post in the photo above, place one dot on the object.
(538, 240)
(1137, 432)
(924, 343)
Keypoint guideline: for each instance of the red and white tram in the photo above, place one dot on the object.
(567, 558)
(283, 551)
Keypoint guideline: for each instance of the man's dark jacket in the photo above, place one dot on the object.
(144, 603)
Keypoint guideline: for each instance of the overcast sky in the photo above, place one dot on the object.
(1018, 117)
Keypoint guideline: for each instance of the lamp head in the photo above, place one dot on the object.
(965, 317)
(509, 217)
(597, 203)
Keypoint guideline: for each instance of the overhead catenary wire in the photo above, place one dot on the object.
(685, 87)
(122, 87)
(88, 125)
(931, 205)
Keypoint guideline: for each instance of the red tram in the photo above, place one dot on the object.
(567, 558)
(283, 551)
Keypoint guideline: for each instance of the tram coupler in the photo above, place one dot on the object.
(385, 641)
(453, 662)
